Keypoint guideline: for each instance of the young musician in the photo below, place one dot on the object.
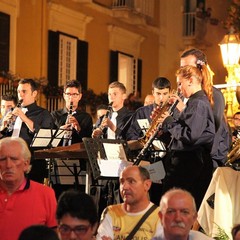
(115, 125)
(70, 118)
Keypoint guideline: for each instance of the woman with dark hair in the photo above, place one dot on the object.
(76, 216)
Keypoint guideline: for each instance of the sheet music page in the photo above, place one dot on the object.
(58, 137)
(112, 168)
(114, 151)
(42, 138)
(143, 124)
(115, 161)
(156, 171)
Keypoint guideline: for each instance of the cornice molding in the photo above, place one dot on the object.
(125, 41)
(68, 21)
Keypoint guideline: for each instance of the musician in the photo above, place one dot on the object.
(116, 124)
(161, 91)
(8, 102)
(222, 140)
(236, 127)
(79, 121)
(33, 117)
(190, 166)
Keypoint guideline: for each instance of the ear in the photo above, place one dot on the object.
(80, 96)
(147, 184)
(124, 96)
(35, 92)
(160, 215)
(26, 165)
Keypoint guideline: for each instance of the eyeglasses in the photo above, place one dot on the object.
(236, 119)
(74, 95)
(80, 230)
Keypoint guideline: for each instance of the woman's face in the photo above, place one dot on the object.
(184, 85)
(72, 228)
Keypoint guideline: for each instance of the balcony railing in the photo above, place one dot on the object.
(189, 24)
(143, 7)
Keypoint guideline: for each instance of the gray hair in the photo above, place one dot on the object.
(25, 152)
(174, 191)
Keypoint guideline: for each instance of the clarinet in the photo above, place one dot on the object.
(68, 133)
(109, 109)
(11, 121)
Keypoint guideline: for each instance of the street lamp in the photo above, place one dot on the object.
(230, 49)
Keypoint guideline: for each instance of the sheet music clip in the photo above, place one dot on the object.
(48, 138)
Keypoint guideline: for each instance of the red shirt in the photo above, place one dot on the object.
(32, 203)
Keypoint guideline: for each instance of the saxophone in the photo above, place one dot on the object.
(234, 154)
(165, 107)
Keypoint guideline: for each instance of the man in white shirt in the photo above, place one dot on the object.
(118, 220)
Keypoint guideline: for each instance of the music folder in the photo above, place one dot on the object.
(47, 138)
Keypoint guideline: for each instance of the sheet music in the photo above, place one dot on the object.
(44, 136)
(114, 151)
(143, 124)
(156, 171)
(112, 168)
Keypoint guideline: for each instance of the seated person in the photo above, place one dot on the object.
(118, 220)
(38, 232)
(178, 213)
(76, 216)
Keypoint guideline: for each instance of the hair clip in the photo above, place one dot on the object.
(200, 63)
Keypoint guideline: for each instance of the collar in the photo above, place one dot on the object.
(24, 186)
(31, 106)
(65, 111)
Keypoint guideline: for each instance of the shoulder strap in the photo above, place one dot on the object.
(140, 222)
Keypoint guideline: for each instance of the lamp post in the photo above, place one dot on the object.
(230, 49)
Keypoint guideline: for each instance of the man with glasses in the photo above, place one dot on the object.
(76, 216)
(70, 118)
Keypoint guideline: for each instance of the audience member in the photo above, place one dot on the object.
(149, 99)
(76, 216)
(236, 127)
(38, 232)
(119, 220)
(23, 201)
(222, 141)
(236, 232)
(190, 165)
(77, 124)
(115, 126)
(178, 213)
(8, 102)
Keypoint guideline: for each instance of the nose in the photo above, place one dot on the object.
(177, 216)
(73, 236)
(8, 163)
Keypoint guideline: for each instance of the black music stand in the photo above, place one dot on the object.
(47, 138)
(97, 150)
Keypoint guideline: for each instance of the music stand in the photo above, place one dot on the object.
(107, 156)
(47, 138)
